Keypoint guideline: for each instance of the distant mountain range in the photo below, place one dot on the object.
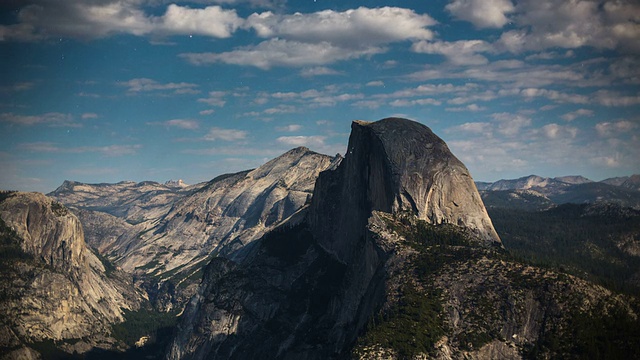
(538, 193)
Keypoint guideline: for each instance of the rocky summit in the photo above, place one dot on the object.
(395, 165)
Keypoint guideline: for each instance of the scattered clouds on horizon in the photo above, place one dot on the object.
(217, 133)
(54, 148)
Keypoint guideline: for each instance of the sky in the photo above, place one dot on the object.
(111, 90)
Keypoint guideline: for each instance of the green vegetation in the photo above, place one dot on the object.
(108, 266)
(59, 209)
(10, 249)
(50, 350)
(410, 327)
(150, 265)
(603, 333)
(421, 234)
(288, 244)
(5, 194)
(415, 323)
(142, 322)
(572, 239)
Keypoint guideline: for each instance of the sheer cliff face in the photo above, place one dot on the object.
(308, 289)
(59, 290)
(395, 165)
(50, 232)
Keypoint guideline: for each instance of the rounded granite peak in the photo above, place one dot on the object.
(396, 165)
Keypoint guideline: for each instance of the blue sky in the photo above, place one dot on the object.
(112, 90)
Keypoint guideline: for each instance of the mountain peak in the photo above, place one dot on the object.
(175, 183)
(395, 165)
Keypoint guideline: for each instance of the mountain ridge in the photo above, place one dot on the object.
(169, 233)
(536, 192)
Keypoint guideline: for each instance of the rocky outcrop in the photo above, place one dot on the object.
(133, 202)
(307, 289)
(53, 286)
(623, 191)
(170, 232)
(395, 165)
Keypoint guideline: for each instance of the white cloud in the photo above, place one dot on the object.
(92, 19)
(472, 127)
(510, 124)
(555, 131)
(615, 99)
(545, 24)
(217, 133)
(187, 124)
(318, 71)
(321, 38)
(470, 107)
(267, 4)
(607, 161)
(89, 116)
(308, 141)
(280, 109)
(462, 52)
(16, 87)
(206, 112)
(421, 102)
(375, 83)
(144, 85)
(53, 119)
(570, 116)
(555, 95)
(355, 29)
(429, 89)
(550, 55)
(281, 52)
(233, 151)
(515, 72)
(482, 13)
(290, 128)
(211, 21)
(108, 150)
(369, 104)
(216, 98)
(608, 129)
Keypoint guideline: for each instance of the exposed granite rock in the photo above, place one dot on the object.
(395, 165)
(168, 233)
(56, 288)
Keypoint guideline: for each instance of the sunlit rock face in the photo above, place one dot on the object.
(58, 289)
(395, 165)
(168, 233)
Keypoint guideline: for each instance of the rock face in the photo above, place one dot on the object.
(560, 190)
(53, 286)
(395, 165)
(309, 288)
(169, 233)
